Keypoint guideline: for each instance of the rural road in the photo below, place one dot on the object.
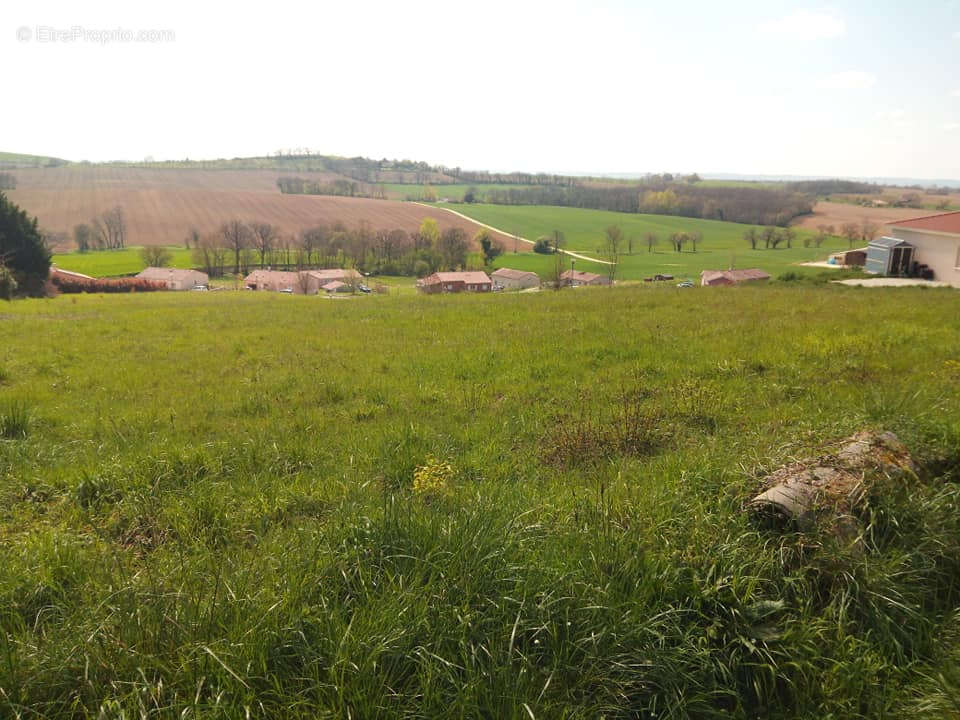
(505, 233)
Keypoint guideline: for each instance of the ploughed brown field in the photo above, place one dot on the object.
(837, 214)
(162, 205)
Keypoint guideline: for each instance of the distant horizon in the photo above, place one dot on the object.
(625, 175)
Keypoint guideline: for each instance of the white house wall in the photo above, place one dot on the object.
(939, 251)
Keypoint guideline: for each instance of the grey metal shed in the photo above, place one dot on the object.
(889, 256)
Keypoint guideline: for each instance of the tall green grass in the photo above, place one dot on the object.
(15, 418)
(212, 514)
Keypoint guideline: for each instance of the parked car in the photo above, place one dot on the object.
(685, 283)
(363, 288)
(200, 288)
(288, 291)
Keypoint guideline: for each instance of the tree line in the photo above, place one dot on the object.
(240, 246)
(772, 237)
(755, 206)
(340, 188)
(832, 186)
(513, 178)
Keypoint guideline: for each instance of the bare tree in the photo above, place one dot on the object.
(264, 235)
(453, 247)
(851, 231)
(769, 234)
(612, 248)
(751, 237)
(115, 224)
(696, 237)
(868, 229)
(789, 234)
(209, 253)
(652, 241)
(311, 240)
(98, 234)
(555, 276)
(236, 237)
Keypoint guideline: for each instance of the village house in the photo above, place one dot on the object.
(576, 278)
(304, 282)
(444, 282)
(335, 286)
(508, 279)
(709, 278)
(347, 276)
(275, 281)
(925, 247)
(174, 278)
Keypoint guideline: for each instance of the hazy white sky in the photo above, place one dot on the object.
(764, 86)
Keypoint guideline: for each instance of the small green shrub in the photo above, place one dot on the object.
(15, 419)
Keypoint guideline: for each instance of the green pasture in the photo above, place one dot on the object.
(231, 505)
(722, 247)
(109, 263)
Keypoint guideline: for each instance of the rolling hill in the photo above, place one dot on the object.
(162, 205)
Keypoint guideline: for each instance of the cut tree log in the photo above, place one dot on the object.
(836, 483)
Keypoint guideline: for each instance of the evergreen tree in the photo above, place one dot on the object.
(22, 249)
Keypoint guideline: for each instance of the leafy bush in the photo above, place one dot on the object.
(543, 246)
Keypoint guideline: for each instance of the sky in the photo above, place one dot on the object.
(857, 89)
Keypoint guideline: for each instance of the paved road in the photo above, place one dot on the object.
(504, 232)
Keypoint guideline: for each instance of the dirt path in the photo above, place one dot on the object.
(509, 235)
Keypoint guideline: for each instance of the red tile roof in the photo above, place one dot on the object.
(734, 276)
(163, 274)
(514, 274)
(280, 277)
(580, 276)
(328, 274)
(470, 277)
(944, 222)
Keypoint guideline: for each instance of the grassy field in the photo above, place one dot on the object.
(18, 160)
(211, 507)
(723, 245)
(107, 263)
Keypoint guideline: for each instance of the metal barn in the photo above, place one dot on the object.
(889, 256)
